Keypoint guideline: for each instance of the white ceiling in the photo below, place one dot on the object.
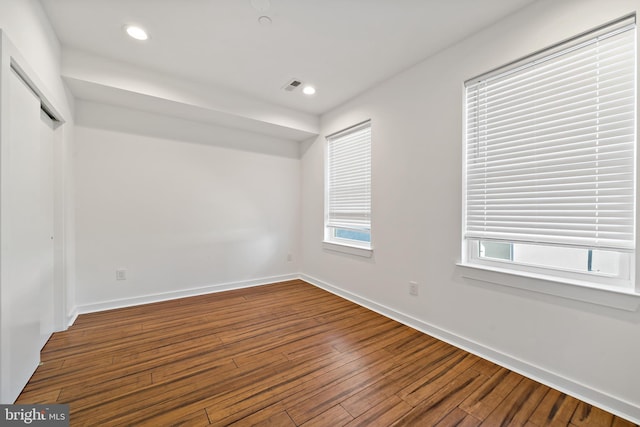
(342, 47)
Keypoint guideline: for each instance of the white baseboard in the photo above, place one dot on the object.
(72, 316)
(594, 397)
(165, 296)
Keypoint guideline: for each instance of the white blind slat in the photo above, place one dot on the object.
(550, 146)
(349, 178)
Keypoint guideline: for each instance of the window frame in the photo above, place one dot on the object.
(622, 281)
(584, 286)
(330, 241)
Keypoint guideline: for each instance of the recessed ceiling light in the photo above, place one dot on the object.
(136, 32)
(309, 90)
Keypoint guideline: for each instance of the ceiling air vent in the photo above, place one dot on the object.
(292, 85)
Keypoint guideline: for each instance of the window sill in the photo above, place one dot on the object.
(348, 249)
(623, 299)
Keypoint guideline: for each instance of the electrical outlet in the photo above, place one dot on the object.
(289, 257)
(413, 288)
(121, 274)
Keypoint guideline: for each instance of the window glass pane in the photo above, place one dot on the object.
(575, 259)
(606, 262)
(556, 257)
(496, 250)
(362, 236)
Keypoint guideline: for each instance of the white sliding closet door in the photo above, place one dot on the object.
(47, 297)
(27, 309)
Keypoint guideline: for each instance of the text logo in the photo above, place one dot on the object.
(34, 415)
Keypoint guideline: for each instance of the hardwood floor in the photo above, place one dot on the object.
(287, 354)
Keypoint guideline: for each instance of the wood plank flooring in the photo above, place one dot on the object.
(287, 354)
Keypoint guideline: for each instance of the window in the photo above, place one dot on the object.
(348, 204)
(550, 161)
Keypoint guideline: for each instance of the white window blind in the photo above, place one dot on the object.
(550, 145)
(349, 178)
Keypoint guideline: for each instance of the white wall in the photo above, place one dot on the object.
(28, 27)
(181, 216)
(589, 350)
